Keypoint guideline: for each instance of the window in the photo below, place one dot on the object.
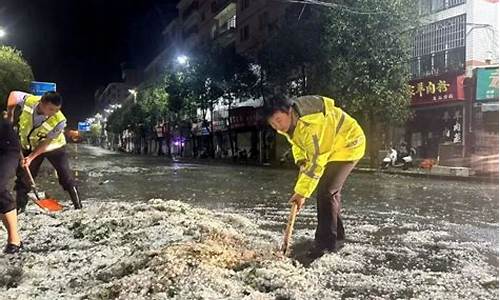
(437, 5)
(228, 24)
(245, 33)
(428, 6)
(263, 20)
(415, 66)
(426, 65)
(456, 59)
(439, 36)
(439, 62)
(245, 4)
(203, 16)
(452, 3)
(439, 46)
(213, 31)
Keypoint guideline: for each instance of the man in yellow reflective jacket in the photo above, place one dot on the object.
(41, 133)
(326, 145)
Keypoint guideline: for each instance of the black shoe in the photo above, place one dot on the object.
(318, 252)
(13, 249)
(339, 245)
(21, 202)
(75, 198)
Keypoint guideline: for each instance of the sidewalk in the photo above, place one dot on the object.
(437, 172)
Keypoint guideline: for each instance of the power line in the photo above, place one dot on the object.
(335, 5)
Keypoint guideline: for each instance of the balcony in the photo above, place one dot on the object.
(223, 7)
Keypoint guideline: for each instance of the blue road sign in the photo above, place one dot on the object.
(39, 88)
(83, 127)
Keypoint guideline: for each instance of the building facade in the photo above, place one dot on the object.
(456, 38)
(240, 25)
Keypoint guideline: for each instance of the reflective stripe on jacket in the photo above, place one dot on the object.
(32, 137)
(323, 133)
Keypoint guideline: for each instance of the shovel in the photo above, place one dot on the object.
(46, 204)
(289, 229)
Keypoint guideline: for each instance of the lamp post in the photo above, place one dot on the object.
(182, 59)
(134, 93)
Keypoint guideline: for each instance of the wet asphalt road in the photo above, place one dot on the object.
(427, 215)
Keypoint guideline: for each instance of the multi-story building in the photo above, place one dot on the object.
(256, 21)
(456, 37)
(242, 25)
(113, 93)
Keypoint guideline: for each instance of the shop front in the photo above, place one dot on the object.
(485, 120)
(436, 129)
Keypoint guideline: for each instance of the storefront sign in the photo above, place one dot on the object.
(243, 117)
(486, 84)
(220, 120)
(437, 90)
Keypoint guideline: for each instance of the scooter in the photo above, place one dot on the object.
(390, 158)
(399, 160)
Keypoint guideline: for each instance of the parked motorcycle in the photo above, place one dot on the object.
(402, 159)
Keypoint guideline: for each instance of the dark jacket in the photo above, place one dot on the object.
(8, 137)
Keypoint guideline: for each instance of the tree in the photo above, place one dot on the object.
(287, 59)
(179, 105)
(355, 51)
(213, 75)
(153, 101)
(15, 73)
(234, 78)
(367, 71)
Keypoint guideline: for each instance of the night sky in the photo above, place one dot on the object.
(79, 44)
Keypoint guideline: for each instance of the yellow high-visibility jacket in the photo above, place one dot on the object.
(31, 136)
(323, 133)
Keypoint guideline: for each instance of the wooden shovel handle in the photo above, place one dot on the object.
(27, 169)
(289, 228)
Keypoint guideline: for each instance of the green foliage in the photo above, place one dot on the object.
(367, 69)
(153, 101)
(95, 130)
(150, 107)
(359, 59)
(117, 121)
(15, 73)
(288, 56)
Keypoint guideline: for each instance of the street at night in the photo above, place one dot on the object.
(249, 149)
(153, 228)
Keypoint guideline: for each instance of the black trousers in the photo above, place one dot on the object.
(9, 160)
(58, 159)
(329, 203)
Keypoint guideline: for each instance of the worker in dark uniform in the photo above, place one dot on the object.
(9, 159)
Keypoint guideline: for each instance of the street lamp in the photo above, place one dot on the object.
(3, 33)
(182, 59)
(134, 93)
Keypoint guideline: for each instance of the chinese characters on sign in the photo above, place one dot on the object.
(436, 90)
(487, 84)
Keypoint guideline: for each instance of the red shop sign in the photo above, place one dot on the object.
(437, 90)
